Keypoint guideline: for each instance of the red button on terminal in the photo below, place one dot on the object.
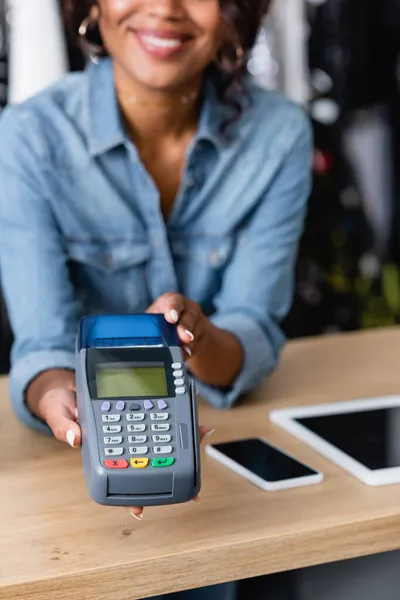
(116, 464)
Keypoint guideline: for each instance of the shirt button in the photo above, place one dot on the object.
(108, 260)
(214, 258)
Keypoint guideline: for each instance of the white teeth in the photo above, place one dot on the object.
(162, 42)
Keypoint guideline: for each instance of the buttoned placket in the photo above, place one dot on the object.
(161, 276)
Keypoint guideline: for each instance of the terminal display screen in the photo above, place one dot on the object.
(133, 382)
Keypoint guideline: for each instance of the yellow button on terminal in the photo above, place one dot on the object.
(139, 463)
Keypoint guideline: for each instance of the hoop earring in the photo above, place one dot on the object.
(240, 55)
(224, 63)
(95, 50)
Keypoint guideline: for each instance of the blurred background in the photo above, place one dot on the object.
(340, 59)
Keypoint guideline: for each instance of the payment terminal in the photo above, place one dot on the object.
(137, 411)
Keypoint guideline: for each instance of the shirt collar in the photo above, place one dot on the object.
(106, 130)
(211, 117)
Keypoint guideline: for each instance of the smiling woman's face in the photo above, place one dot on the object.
(161, 44)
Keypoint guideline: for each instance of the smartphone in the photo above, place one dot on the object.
(264, 464)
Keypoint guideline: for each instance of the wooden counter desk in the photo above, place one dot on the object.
(56, 544)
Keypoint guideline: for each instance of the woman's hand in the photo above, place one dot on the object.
(194, 328)
(216, 356)
(58, 409)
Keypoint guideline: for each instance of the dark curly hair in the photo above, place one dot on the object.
(242, 18)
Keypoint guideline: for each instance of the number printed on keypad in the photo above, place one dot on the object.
(161, 439)
(159, 416)
(138, 450)
(137, 428)
(160, 427)
(135, 417)
(112, 428)
(137, 439)
(111, 418)
(116, 439)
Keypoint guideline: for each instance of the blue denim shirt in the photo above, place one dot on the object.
(81, 229)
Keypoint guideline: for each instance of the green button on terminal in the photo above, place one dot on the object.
(162, 462)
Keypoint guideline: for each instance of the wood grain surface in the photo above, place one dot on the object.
(56, 544)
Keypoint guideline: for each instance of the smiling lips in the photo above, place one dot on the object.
(161, 44)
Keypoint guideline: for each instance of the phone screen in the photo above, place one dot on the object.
(264, 460)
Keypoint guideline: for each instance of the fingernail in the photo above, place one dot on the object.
(190, 334)
(71, 437)
(174, 315)
(208, 435)
(138, 517)
(187, 350)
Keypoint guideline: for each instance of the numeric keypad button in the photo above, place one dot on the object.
(161, 427)
(138, 450)
(111, 418)
(162, 449)
(116, 439)
(137, 439)
(112, 428)
(135, 417)
(159, 416)
(136, 428)
(161, 439)
(113, 451)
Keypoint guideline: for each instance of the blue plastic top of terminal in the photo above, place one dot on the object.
(108, 331)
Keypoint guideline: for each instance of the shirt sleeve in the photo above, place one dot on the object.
(33, 265)
(258, 285)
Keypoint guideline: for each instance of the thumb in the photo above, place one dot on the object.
(60, 414)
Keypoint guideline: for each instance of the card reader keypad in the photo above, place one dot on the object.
(145, 428)
(146, 431)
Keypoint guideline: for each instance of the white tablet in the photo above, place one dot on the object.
(361, 436)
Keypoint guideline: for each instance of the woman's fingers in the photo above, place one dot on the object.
(187, 328)
(136, 512)
(189, 318)
(205, 433)
(191, 330)
(170, 305)
(60, 413)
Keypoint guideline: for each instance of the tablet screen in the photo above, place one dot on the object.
(371, 437)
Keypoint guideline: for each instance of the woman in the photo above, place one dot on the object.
(160, 179)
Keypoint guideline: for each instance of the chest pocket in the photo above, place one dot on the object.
(200, 263)
(110, 275)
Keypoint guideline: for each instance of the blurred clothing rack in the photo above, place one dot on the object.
(38, 52)
(289, 19)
